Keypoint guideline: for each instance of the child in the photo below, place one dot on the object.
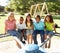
(29, 31)
(49, 26)
(21, 29)
(38, 29)
(10, 25)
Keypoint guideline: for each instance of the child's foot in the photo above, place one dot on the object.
(45, 45)
(23, 42)
(49, 46)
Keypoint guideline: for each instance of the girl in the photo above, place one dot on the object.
(29, 31)
(10, 25)
(49, 26)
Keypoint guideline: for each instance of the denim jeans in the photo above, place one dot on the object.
(22, 34)
(41, 32)
(49, 32)
(13, 33)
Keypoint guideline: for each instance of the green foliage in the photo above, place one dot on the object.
(23, 6)
(54, 6)
(1, 9)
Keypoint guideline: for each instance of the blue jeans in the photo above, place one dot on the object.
(49, 32)
(22, 34)
(13, 33)
(41, 32)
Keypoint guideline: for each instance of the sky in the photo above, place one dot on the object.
(3, 2)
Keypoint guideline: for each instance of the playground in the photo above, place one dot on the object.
(55, 44)
(14, 45)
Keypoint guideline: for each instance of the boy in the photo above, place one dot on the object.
(21, 29)
(38, 29)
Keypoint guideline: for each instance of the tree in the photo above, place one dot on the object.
(54, 6)
(1, 8)
(23, 6)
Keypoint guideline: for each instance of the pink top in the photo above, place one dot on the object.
(10, 25)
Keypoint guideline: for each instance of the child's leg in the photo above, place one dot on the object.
(49, 43)
(41, 32)
(27, 33)
(30, 39)
(20, 36)
(30, 36)
(49, 34)
(17, 34)
(13, 33)
(35, 37)
(24, 35)
(45, 37)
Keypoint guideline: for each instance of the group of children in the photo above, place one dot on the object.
(29, 29)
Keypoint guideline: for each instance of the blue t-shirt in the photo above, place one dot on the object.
(39, 26)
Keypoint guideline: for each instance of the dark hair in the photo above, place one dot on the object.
(21, 18)
(51, 18)
(38, 16)
(30, 20)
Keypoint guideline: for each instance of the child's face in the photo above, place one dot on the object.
(21, 21)
(37, 19)
(28, 17)
(47, 19)
(11, 17)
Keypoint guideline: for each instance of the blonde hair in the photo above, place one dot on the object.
(10, 13)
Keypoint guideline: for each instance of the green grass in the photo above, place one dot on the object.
(56, 17)
(3, 18)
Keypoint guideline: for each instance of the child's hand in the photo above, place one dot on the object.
(32, 27)
(4, 33)
(56, 32)
(45, 27)
(26, 28)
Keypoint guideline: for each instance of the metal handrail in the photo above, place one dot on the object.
(4, 35)
(56, 34)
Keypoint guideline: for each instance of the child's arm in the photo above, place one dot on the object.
(32, 26)
(54, 28)
(15, 25)
(44, 25)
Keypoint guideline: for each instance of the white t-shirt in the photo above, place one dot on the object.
(21, 26)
